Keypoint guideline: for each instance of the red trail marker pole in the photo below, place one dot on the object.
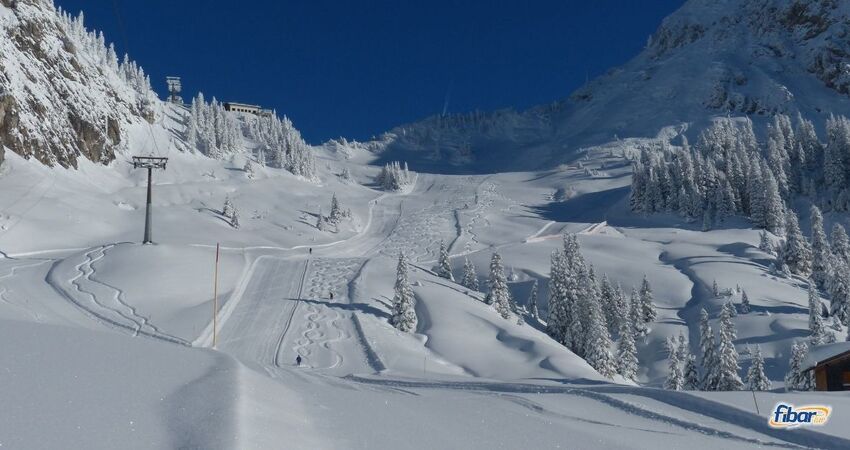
(215, 298)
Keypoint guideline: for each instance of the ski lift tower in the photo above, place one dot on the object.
(150, 163)
(174, 89)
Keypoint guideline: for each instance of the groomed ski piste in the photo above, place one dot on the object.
(109, 343)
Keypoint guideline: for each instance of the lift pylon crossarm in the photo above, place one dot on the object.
(149, 162)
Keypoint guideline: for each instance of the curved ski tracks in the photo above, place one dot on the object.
(82, 290)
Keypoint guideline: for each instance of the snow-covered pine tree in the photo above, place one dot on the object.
(499, 296)
(816, 325)
(675, 378)
(745, 303)
(796, 250)
(608, 299)
(707, 220)
(470, 278)
(732, 310)
(774, 209)
(795, 378)
(346, 174)
(765, 244)
(576, 291)
(755, 192)
(557, 320)
(838, 286)
(715, 290)
(820, 248)
(627, 360)
(836, 324)
(234, 218)
(646, 301)
(756, 379)
(444, 266)
(248, 168)
(728, 378)
(598, 340)
(621, 306)
(710, 362)
(335, 216)
(840, 242)
(682, 347)
(403, 314)
(636, 315)
(321, 222)
(829, 337)
(835, 153)
(776, 162)
(532, 302)
(691, 373)
(809, 147)
(227, 209)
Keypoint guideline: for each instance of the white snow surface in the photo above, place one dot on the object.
(112, 344)
(91, 304)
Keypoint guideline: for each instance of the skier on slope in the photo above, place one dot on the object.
(298, 360)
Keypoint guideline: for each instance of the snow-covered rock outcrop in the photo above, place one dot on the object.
(63, 92)
(710, 58)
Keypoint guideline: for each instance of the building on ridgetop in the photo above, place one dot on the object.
(257, 110)
(831, 365)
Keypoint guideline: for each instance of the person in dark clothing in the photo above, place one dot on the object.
(332, 295)
(298, 360)
(311, 250)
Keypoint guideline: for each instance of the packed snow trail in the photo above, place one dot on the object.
(258, 324)
(286, 311)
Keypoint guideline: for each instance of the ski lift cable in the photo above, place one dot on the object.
(123, 32)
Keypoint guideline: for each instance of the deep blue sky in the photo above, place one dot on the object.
(357, 68)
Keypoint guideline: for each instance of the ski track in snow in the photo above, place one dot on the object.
(101, 300)
(323, 329)
(297, 301)
(418, 234)
(4, 290)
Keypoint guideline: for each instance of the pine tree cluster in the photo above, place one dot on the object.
(729, 172)
(394, 176)
(280, 144)
(211, 129)
(217, 134)
(583, 313)
(95, 44)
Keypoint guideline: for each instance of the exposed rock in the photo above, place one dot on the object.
(63, 94)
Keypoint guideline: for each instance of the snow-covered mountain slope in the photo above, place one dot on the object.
(63, 92)
(128, 328)
(463, 360)
(709, 58)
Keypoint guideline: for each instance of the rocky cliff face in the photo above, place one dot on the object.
(804, 36)
(63, 92)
